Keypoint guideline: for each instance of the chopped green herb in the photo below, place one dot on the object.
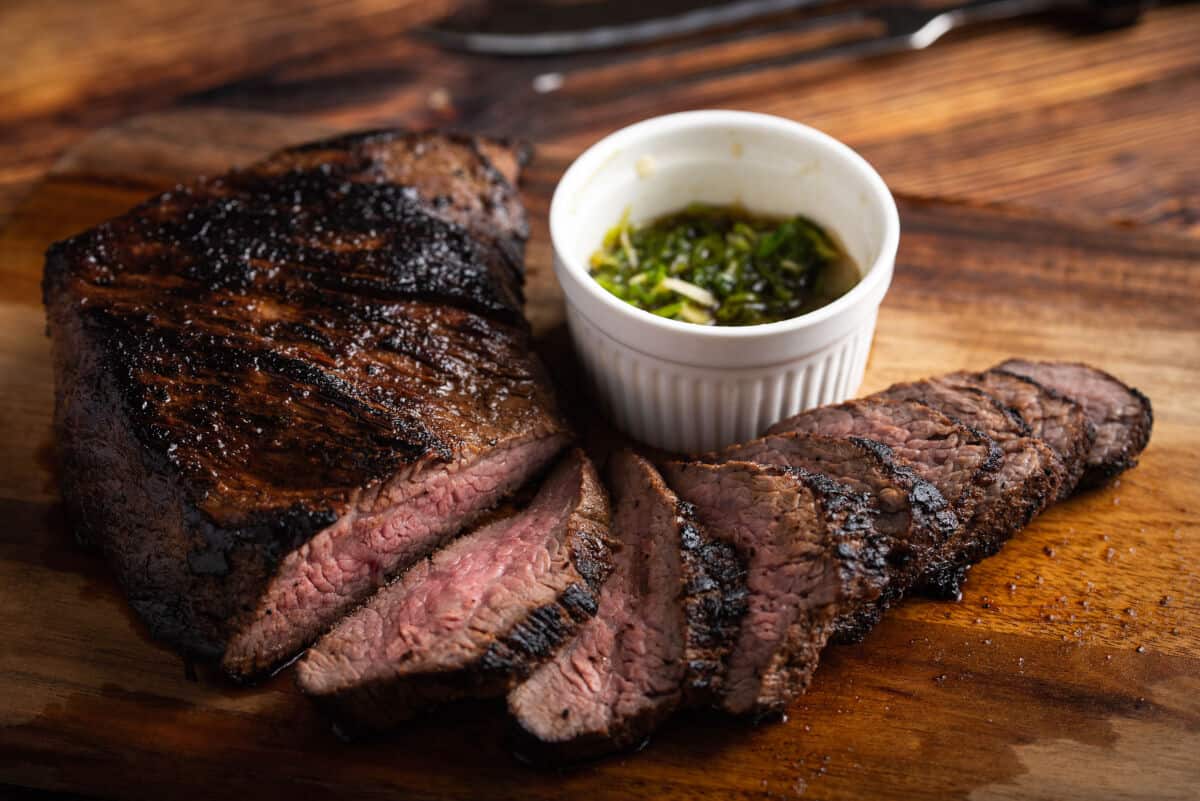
(722, 266)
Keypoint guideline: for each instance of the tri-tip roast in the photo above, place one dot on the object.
(284, 393)
(279, 387)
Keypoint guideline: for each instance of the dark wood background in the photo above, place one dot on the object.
(1050, 196)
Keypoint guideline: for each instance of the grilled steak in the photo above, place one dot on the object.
(808, 546)
(960, 461)
(1122, 416)
(278, 387)
(467, 180)
(911, 515)
(1056, 420)
(969, 405)
(1029, 476)
(486, 609)
(624, 673)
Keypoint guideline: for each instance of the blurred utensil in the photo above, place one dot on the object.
(520, 30)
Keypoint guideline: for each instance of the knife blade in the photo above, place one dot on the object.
(520, 30)
(901, 26)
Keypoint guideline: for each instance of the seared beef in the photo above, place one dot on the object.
(808, 544)
(278, 387)
(1121, 415)
(1056, 420)
(715, 599)
(483, 611)
(1029, 476)
(968, 405)
(625, 671)
(911, 515)
(960, 461)
(468, 180)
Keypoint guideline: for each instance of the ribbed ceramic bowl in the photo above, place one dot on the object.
(687, 387)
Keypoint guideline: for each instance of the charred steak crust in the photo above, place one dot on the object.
(715, 600)
(806, 540)
(1052, 417)
(460, 178)
(1029, 476)
(959, 460)
(467, 623)
(1121, 415)
(913, 519)
(967, 404)
(244, 361)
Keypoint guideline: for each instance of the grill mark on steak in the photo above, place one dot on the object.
(912, 517)
(462, 179)
(625, 672)
(807, 543)
(715, 599)
(969, 405)
(1055, 419)
(957, 459)
(1029, 476)
(270, 358)
(482, 612)
(1121, 415)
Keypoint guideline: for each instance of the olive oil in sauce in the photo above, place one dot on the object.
(722, 265)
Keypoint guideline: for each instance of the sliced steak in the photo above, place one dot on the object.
(1029, 477)
(912, 517)
(969, 405)
(485, 610)
(807, 542)
(1121, 415)
(960, 461)
(1053, 418)
(625, 672)
(278, 387)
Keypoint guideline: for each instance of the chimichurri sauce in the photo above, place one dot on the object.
(721, 265)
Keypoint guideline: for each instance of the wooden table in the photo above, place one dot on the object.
(1050, 196)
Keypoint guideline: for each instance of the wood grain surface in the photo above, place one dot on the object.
(1033, 112)
(1070, 669)
(1050, 196)
(71, 66)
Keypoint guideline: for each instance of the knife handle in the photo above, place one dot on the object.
(1110, 14)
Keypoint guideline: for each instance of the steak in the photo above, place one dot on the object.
(968, 405)
(466, 180)
(1029, 477)
(485, 610)
(808, 546)
(278, 387)
(912, 517)
(1121, 415)
(1056, 420)
(960, 461)
(625, 672)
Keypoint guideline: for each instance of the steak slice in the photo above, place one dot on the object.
(1053, 418)
(807, 542)
(626, 671)
(489, 607)
(278, 387)
(960, 461)
(1121, 415)
(1029, 477)
(912, 517)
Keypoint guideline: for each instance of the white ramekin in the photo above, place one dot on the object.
(686, 387)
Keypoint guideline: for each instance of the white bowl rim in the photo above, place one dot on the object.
(594, 157)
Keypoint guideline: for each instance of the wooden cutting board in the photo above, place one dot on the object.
(1070, 669)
